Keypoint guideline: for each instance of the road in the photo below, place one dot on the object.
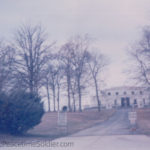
(118, 124)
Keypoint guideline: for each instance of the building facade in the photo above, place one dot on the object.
(125, 97)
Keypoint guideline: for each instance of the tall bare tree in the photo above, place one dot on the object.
(46, 84)
(52, 72)
(31, 51)
(59, 77)
(66, 58)
(74, 91)
(53, 76)
(80, 57)
(140, 54)
(97, 64)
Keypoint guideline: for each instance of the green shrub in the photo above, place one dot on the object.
(19, 112)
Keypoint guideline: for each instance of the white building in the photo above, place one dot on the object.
(125, 97)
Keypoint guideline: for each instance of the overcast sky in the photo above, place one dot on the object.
(115, 24)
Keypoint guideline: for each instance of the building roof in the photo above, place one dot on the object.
(125, 88)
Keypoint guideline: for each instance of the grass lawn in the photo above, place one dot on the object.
(48, 128)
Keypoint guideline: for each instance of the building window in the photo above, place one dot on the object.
(125, 93)
(135, 101)
(115, 102)
(132, 93)
(117, 93)
(144, 101)
(109, 93)
(141, 92)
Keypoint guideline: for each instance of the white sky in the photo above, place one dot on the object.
(115, 24)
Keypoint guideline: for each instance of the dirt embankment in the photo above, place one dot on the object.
(143, 120)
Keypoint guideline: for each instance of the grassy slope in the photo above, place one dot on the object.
(143, 120)
(76, 122)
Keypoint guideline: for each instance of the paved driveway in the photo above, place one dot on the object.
(118, 124)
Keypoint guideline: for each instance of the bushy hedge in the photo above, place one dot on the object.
(19, 112)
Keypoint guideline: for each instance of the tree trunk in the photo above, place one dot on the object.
(97, 94)
(58, 95)
(30, 68)
(68, 90)
(73, 96)
(74, 102)
(79, 94)
(31, 86)
(48, 97)
(54, 96)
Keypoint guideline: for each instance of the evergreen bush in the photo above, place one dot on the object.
(19, 112)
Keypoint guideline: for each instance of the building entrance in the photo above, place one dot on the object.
(125, 102)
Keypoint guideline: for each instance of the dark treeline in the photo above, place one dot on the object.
(32, 64)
